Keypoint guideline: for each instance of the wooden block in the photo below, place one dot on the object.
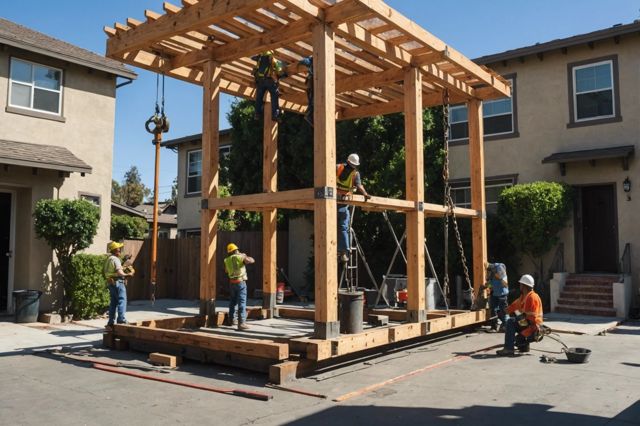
(439, 324)
(462, 320)
(314, 349)
(402, 332)
(49, 318)
(284, 372)
(172, 361)
(297, 313)
(221, 318)
(108, 340)
(393, 314)
(346, 344)
(120, 344)
(378, 320)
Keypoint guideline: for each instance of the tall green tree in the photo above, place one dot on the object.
(116, 191)
(68, 226)
(132, 191)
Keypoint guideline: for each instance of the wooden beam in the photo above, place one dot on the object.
(262, 201)
(478, 224)
(345, 10)
(419, 34)
(210, 169)
(304, 9)
(269, 186)
(324, 167)
(248, 46)
(187, 19)
(414, 171)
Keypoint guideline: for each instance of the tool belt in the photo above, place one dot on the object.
(235, 281)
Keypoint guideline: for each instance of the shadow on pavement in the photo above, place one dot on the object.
(477, 415)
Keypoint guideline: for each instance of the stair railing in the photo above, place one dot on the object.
(625, 260)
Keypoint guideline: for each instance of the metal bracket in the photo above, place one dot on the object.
(324, 193)
(420, 206)
(204, 204)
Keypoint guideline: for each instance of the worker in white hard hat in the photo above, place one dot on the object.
(347, 180)
(234, 266)
(525, 319)
(116, 276)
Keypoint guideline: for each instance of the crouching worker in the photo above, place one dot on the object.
(525, 321)
(234, 267)
(116, 276)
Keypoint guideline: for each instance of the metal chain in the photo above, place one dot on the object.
(448, 202)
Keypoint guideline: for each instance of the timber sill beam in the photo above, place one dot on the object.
(187, 19)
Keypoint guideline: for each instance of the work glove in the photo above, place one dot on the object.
(367, 197)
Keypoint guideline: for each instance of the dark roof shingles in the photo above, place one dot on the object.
(45, 156)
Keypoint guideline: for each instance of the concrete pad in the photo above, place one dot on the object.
(580, 324)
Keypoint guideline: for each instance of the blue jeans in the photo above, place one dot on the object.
(117, 299)
(498, 306)
(267, 85)
(343, 228)
(238, 297)
(512, 336)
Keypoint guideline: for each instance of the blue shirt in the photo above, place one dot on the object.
(498, 275)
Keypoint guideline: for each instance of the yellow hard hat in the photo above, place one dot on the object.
(231, 247)
(113, 245)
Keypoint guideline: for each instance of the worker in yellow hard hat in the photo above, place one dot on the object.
(116, 276)
(234, 266)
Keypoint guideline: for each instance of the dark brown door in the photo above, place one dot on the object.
(5, 247)
(599, 229)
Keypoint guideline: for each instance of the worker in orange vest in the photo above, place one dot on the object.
(525, 319)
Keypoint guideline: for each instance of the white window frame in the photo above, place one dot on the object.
(489, 183)
(33, 87)
(575, 92)
(188, 176)
(460, 106)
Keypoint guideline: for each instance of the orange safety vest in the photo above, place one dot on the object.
(531, 306)
(344, 183)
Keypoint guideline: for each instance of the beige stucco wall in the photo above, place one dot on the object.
(543, 114)
(88, 132)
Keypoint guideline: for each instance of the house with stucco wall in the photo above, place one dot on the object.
(57, 114)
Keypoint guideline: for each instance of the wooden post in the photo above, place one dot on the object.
(414, 170)
(478, 224)
(210, 168)
(269, 184)
(324, 180)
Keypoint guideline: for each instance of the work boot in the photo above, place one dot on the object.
(344, 258)
(505, 352)
(524, 348)
(243, 326)
(109, 326)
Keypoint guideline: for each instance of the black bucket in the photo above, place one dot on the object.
(578, 355)
(351, 307)
(27, 305)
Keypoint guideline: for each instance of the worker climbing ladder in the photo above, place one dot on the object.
(349, 278)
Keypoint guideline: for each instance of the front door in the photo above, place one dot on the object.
(599, 229)
(5, 248)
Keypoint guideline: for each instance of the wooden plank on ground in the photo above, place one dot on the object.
(346, 344)
(393, 314)
(297, 313)
(402, 332)
(260, 349)
(158, 358)
(314, 349)
(174, 323)
(439, 324)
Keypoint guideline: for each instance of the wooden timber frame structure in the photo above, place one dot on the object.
(368, 60)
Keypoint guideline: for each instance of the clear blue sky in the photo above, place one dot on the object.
(475, 28)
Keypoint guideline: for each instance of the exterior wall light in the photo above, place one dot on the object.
(626, 187)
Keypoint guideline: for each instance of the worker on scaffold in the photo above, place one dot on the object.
(347, 179)
(267, 73)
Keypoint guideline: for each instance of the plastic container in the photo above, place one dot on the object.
(578, 355)
(27, 304)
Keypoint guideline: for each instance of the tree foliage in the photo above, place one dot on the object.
(532, 215)
(68, 226)
(124, 227)
(132, 191)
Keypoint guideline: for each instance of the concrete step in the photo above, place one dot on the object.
(601, 312)
(600, 279)
(587, 295)
(588, 289)
(589, 303)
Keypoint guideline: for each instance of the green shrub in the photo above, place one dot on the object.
(125, 227)
(68, 226)
(88, 294)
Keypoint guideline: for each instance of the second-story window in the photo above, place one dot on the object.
(593, 91)
(35, 87)
(194, 172)
(498, 118)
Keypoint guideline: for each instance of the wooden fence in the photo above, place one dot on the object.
(179, 265)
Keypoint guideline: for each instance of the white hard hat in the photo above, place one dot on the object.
(527, 280)
(353, 159)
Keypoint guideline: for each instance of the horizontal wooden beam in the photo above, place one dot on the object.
(262, 201)
(187, 19)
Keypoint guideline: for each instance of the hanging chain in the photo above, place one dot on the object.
(449, 205)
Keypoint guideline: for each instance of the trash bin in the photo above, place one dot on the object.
(27, 305)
